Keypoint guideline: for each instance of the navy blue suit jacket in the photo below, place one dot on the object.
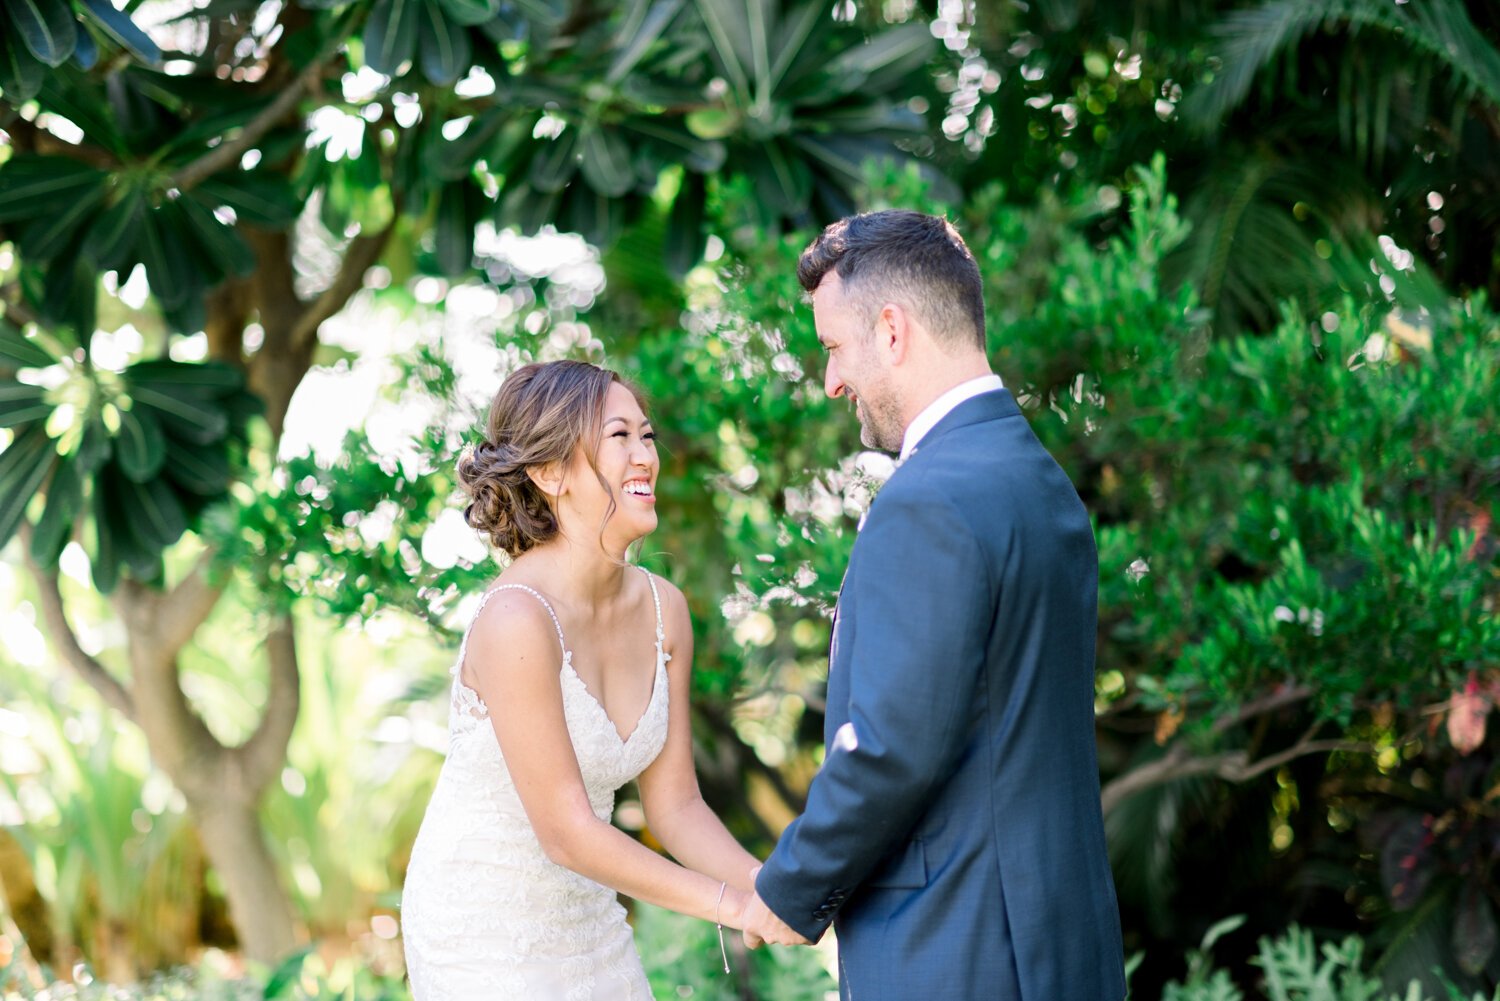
(954, 835)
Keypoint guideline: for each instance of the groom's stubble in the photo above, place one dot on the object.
(879, 422)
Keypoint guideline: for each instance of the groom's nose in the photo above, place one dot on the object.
(833, 385)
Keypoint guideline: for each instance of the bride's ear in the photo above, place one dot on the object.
(549, 479)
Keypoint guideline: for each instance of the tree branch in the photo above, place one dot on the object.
(261, 757)
(1231, 766)
(189, 605)
(16, 309)
(1176, 764)
(65, 641)
(228, 153)
(1278, 699)
(362, 254)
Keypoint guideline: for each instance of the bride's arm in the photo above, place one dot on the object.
(675, 810)
(514, 663)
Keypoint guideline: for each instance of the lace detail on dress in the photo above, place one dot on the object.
(485, 913)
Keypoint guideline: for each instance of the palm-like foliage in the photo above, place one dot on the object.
(1341, 121)
(1297, 135)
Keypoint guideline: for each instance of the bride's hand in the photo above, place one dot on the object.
(732, 910)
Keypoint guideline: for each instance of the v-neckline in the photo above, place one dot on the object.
(624, 741)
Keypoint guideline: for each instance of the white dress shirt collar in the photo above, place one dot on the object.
(942, 406)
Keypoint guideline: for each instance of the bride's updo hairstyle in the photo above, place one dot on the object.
(543, 411)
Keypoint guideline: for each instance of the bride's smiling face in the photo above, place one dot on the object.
(627, 464)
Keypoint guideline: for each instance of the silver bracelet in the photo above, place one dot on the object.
(722, 951)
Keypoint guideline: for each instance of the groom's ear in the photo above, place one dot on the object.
(893, 332)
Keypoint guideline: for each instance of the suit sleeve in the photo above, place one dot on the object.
(923, 604)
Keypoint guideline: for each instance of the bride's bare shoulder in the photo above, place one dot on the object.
(514, 630)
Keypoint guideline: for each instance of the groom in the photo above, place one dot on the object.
(953, 835)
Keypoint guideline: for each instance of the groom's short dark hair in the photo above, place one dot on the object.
(911, 258)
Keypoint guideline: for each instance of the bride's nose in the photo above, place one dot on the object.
(641, 454)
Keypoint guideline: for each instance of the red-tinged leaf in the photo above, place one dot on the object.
(1480, 523)
(1466, 718)
(1474, 931)
(1406, 866)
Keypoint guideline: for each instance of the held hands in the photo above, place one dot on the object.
(762, 926)
(759, 925)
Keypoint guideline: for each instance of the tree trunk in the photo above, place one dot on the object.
(222, 785)
(19, 894)
(258, 904)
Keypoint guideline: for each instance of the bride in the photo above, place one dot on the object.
(573, 679)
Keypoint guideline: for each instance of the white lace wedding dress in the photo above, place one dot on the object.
(485, 915)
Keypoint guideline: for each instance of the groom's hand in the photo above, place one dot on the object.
(762, 926)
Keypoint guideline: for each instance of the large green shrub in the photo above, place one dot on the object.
(1297, 564)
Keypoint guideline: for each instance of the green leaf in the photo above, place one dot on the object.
(598, 218)
(287, 974)
(93, 448)
(728, 27)
(106, 559)
(123, 30)
(23, 468)
(111, 239)
(606, 162)
(201, 470)
(641, 38)
(470, 12)
(140, 447)
(64, 93)
(263, 199)
(46, 26)
(228, 250)
(172, 276)
(85, 52)
(527, 209)
(20, 351)
(792, 40)
(64, 499)
(702, 156)
(188, 417)
(47, 237)
(685, 235)
(70, 294)
(36, 186)
(883, 61)
(782, 180)
(153, 511)
(453, 231)
(199, 379)
(1474, 930)
(444, 46)
(21, 403)
(391, 34)
(555, 162)
(21, 73)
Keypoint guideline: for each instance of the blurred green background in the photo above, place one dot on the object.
(263, 264)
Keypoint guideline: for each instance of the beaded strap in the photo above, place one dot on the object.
(464, 646)
(661, 635)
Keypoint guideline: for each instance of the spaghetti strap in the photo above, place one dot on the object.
(464, 645)
(661, 635)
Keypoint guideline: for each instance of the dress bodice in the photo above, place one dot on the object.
(485, 913)
(606, 760)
